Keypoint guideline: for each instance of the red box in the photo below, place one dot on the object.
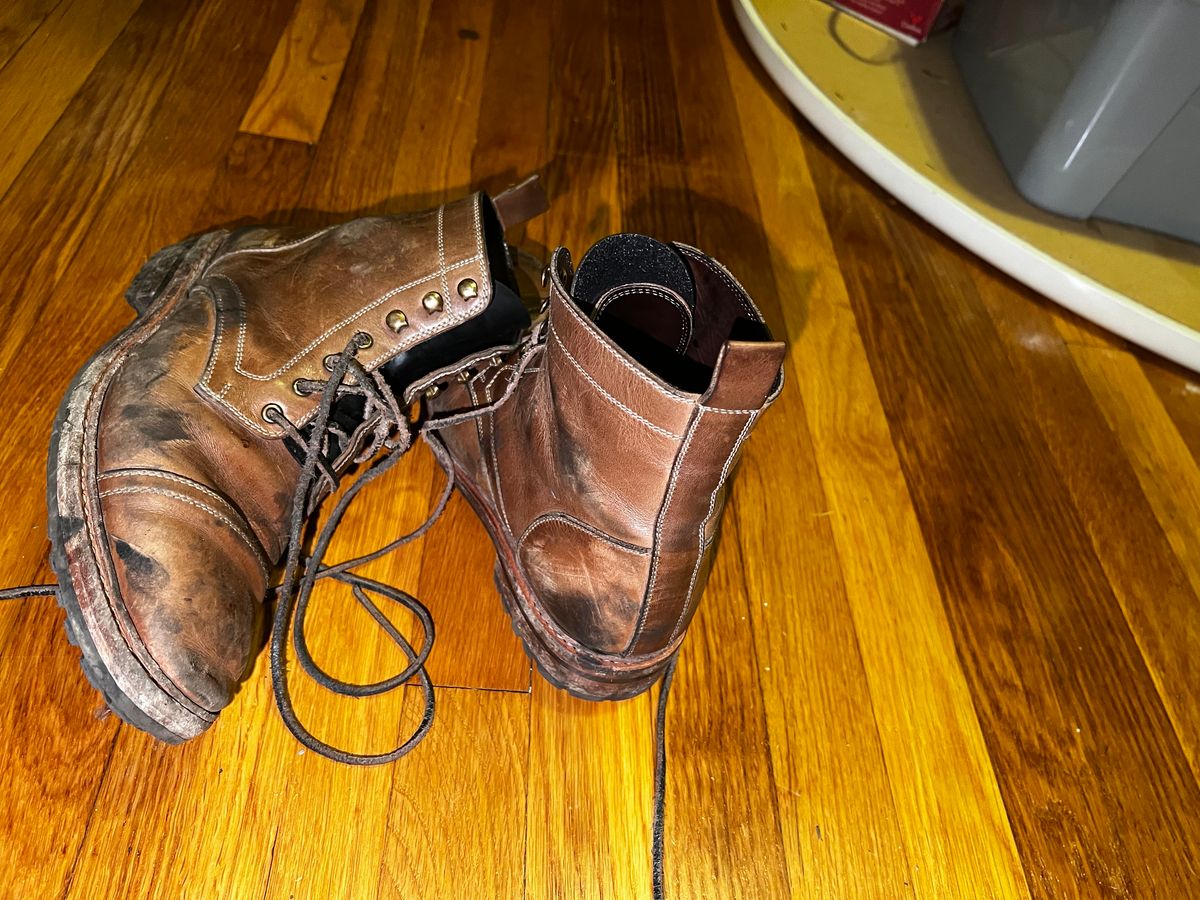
(910, 20)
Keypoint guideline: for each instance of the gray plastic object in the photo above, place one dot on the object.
(1093, 105)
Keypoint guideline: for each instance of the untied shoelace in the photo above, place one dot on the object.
(393, 431)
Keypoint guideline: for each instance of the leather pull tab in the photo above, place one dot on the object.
(747, 374)
(521, 202)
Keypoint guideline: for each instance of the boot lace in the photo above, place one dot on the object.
(391, 430)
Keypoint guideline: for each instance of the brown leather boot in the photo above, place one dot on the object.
(602, 477)
(262, 364)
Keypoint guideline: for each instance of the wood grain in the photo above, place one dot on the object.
(297, 89)
(1125, 521)
(1179, 392)
(459, 830)
(18, 21)
(1059, 684)
(948, 647)
(69, 39)
(921, 701)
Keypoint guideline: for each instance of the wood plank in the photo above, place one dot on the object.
(56, 752)
(456, 829)
(297, 89)
(18, 21)
(590, 792)
(930, 740)
(1098, 466)
(69, 42)
(722, 833)
(352, 171)
(1070, 714)
(155, 809)
(258, 181)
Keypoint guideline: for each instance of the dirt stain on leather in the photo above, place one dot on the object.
(156, 423)
(143, 572)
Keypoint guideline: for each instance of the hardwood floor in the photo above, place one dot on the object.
(949, 647)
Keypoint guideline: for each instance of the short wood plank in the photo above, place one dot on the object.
(1071, 716)
(157, 809)
(589, 796)
(296, 91)
(68, 42)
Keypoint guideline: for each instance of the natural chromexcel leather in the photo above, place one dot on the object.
(173, 481)
(600, 479)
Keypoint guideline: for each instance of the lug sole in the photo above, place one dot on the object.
(583, 673)
(130, 683)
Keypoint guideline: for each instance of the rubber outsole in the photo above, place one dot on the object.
(141, 294)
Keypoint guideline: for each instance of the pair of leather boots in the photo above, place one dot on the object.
(595, 443)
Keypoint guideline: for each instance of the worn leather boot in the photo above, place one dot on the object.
(258, 355)
(602, 473)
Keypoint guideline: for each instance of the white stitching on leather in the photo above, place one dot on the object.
(219, 330)
(662, 517)
(171, 476)
(444, 322)
(441, 233)
(592, 381)
(216, 514)
(730, 412)
(569, 306)
(712, 503)
(443, 268)
(494, 479)
(632, 290)
(234, 411)
(580, 526)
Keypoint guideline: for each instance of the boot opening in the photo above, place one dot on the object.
(668, 306)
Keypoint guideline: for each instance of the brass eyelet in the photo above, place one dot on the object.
(464, 376)
(468, 289)
(432, 302)
(298, 388)
(362, 340)
(433, 390)
(269, 411)
(330, 361)
(396, 320)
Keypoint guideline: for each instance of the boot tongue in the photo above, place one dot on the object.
(636, 288)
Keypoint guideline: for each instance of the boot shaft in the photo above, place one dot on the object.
(607, 467)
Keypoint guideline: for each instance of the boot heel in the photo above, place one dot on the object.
(154, 275)
(577, 677)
